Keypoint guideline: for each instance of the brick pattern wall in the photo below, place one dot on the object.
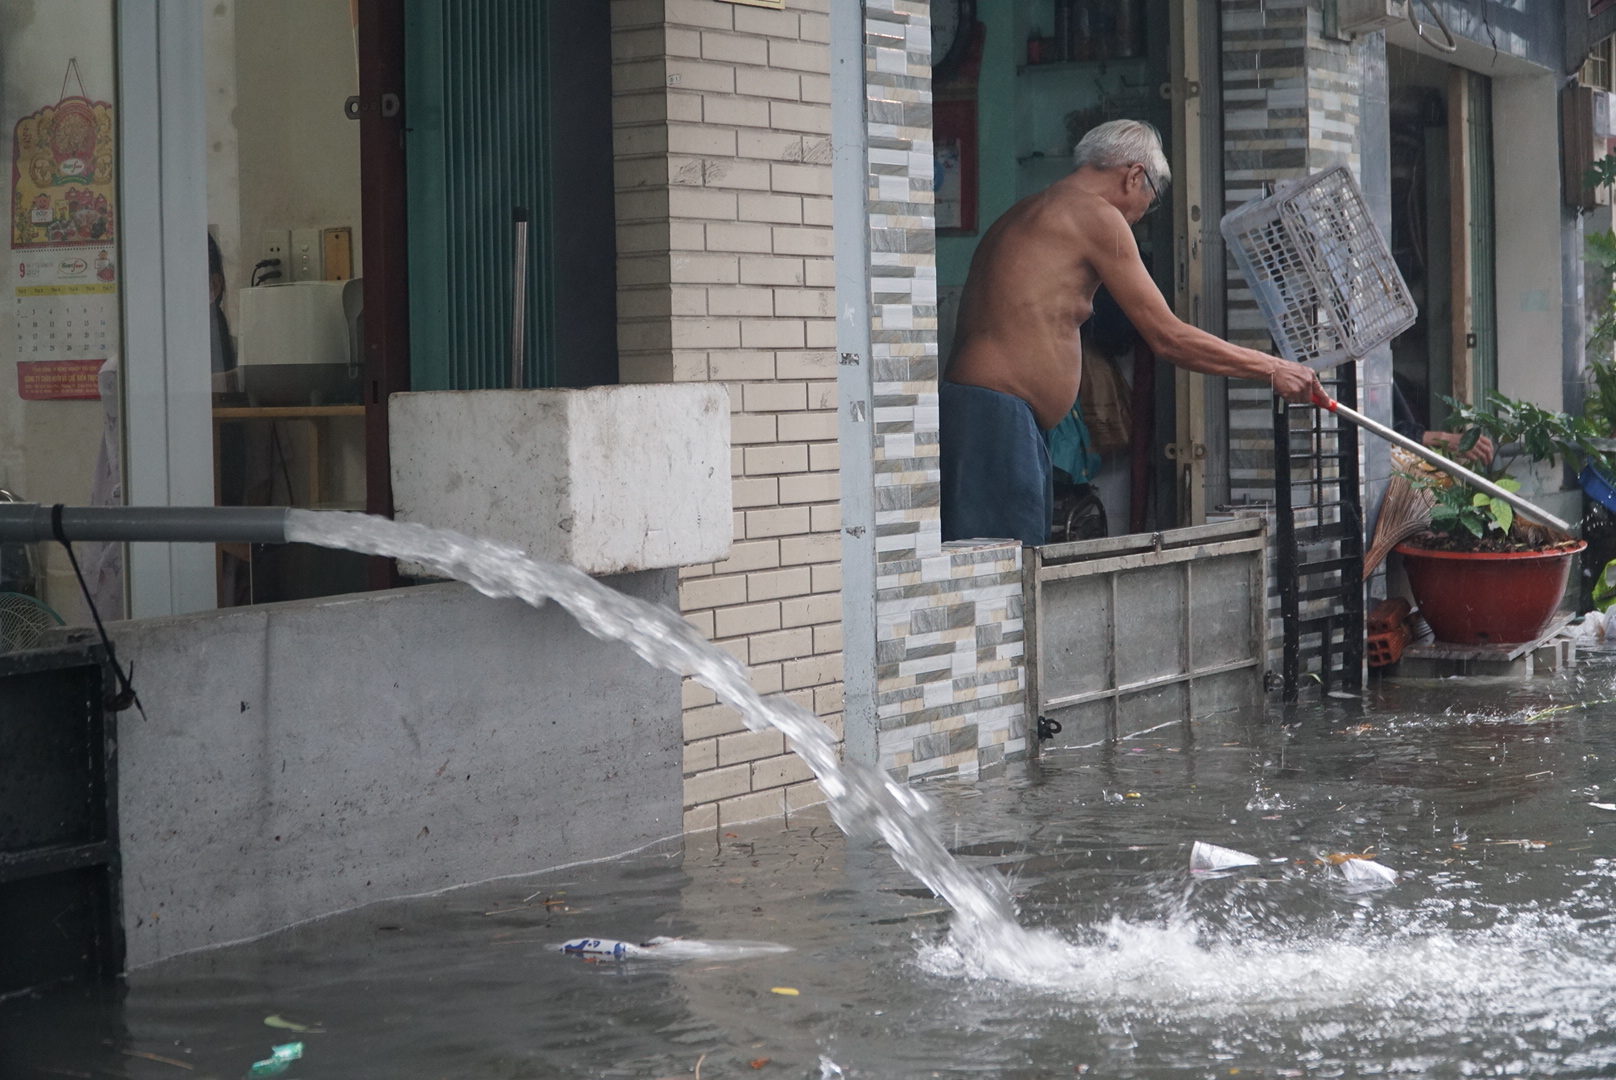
(722, 119)
(950, 685)
(950, 663)
(1265, 140)
(1293, 105)
(1290, 108)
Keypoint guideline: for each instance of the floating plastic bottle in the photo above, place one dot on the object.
(280, 1059)
(602, 947)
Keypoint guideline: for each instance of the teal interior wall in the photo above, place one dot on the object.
(1023, 144)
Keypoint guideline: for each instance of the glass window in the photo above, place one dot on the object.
(283, 163)
(60, 319)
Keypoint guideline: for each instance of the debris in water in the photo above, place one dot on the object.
(785, 991)
(147, 1055)
(280, 1059)
(1603, 805)
(1361, 871)
(603, 947)
(1212, 857)
(1131, 795)
(828, 1068)
(279, 1021)
(758, 1063)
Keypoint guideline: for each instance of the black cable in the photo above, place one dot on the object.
(127, 696)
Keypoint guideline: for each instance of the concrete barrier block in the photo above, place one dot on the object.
(609, 478)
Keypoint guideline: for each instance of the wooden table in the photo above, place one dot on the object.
(314, 415)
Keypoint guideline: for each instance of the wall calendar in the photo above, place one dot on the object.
(65, 319)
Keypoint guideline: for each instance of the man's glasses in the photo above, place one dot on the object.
(1155, 192)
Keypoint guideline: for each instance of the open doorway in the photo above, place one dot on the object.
(1012, 99)
(1442, 232)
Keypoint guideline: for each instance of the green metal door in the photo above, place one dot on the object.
(477, 147)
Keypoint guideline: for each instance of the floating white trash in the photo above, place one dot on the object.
(1213, 857)
(1367, 872)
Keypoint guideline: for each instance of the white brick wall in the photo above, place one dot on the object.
(722, 121)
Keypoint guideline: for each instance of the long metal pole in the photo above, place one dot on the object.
(519, 302)
(1475, 480)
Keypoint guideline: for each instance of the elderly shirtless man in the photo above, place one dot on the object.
(1017, 360)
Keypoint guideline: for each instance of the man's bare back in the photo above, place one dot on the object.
(1032, 284)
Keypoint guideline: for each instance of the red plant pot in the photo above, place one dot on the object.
(1486, 597)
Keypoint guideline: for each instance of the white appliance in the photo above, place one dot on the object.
(300, 342)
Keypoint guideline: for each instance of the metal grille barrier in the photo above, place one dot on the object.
(1319, 541)
(1134, 632)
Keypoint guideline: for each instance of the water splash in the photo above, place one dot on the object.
(861, 799)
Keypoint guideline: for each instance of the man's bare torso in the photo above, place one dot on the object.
(1031, 285)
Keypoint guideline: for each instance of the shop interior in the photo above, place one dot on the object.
(286, 298)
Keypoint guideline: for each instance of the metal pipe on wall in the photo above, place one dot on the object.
(32, 523)
(519, 303)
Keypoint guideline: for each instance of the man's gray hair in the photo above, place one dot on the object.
(1117, 144)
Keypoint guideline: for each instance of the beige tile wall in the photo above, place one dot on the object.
(722, 122)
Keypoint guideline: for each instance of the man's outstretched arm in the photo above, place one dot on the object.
(1116, 257)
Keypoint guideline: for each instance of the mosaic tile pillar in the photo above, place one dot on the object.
(1295, 102)
(950, 682)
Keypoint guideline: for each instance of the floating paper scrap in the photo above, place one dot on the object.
(1603, 805)
(1367, 872)
(1213, 857)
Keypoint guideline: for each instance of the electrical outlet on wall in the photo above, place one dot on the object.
(277, 246)
(307, 261)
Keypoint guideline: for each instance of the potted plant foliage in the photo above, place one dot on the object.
(1483, 573)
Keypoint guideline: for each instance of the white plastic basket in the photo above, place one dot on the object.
(1320, 269)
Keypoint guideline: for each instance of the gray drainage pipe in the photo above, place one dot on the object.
(31, 523)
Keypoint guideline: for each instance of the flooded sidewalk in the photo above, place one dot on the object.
(1491, 954)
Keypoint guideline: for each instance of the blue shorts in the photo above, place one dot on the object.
(997, 479)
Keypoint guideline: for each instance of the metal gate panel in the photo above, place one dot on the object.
(1078, 657)
(1134, 632)
(1150, 640)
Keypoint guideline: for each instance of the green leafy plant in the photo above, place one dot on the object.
(1605, 587)
(1600, 410)
(1469, 519)
(1459, 507)
(1601, 252)
(1541, 433)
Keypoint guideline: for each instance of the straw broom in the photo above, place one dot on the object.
(1405, 511)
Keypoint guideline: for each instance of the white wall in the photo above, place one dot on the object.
(1526, 155)
(281, 153)
(48, 448)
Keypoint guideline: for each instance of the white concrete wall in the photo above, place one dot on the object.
(301, 759)
(1526, 199)
(607, 478)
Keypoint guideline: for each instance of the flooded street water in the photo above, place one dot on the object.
(1492, 955)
